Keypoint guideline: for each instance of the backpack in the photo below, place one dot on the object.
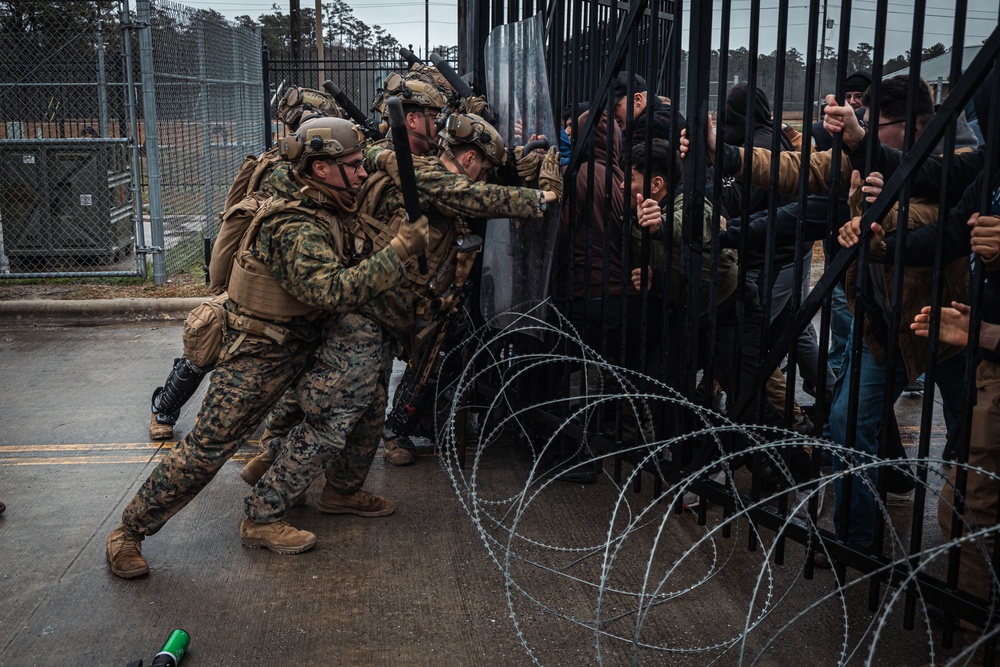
(242, 203)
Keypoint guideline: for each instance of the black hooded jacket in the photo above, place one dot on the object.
(734, 134)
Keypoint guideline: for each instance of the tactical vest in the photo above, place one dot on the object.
(242, 203)
(371, 235)
(251, 284)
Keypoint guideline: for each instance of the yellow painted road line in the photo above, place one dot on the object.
(96, 454)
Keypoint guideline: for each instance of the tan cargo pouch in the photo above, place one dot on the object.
(204, 331)
(206, 326)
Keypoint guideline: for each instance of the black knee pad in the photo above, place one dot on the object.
(179, 386)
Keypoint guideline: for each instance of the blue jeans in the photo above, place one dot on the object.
(841, 320)
(877, 385)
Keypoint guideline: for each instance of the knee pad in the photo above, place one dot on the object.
(179, 386)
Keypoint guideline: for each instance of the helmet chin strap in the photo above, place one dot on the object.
(344, 197)
(429, 143)
(446, 150)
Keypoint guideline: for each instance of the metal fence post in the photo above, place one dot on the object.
(102, 82)
(133, 120)
(265, 71)
(206, 130)
(151, 143)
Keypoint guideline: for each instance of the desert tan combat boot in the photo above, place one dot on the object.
(158, 431)
(279, 537)
(396, 455)
(255, 468)
(125, 554)
(361, 503)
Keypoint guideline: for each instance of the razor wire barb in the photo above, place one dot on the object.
(618, 584)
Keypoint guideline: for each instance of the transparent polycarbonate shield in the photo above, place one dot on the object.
(518, 254)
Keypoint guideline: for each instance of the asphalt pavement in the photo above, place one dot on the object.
(417, 588)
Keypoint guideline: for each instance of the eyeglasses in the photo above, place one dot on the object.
(355, 165)
(892, 122)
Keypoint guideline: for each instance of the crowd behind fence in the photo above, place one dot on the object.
(648, 338)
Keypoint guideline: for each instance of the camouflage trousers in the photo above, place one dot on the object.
(280, 421)
(343, 399)
(241, 391)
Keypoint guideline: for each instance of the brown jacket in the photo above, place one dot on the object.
(918, 281)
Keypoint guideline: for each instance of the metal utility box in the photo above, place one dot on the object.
(66, 198)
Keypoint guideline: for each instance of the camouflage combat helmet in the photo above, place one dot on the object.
(431, 75)
(468, 128)
(410, 91)
(298, 105)
(333, 138)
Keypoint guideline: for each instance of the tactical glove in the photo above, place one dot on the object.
(526, 164)
(476, 105)
(411, 239)
(550, 176)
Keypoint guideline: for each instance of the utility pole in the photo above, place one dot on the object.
(295, 22)
(319, 43)
(427, 30)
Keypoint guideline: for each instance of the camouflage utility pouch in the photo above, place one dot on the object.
(204, 331)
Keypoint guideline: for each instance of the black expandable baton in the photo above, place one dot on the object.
(410, 57)
(356, 114)
(459, 84)
(404, 160)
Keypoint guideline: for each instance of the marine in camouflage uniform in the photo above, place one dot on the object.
(347, 385)
(296, 106)
(301, 243)
(423, 97)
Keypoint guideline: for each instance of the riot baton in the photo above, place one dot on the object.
(404, 160)
(410, 57)
(356, 114)
(459, 84)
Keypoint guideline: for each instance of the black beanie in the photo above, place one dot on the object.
(857, 82)
(620, 89)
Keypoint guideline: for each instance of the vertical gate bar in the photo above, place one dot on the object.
(741, 284)
(892, 343)
(833, 226)
(724, 26)
(807, 119)
(692, 216)
(265, 70)
(927, 407)
(776, 128)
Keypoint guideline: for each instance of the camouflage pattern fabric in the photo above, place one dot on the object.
(282, 418)
(304, 250)
(446, 199)
(310, 262)
(241, 391)
(344, 399)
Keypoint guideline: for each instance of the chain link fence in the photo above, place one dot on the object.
(66, 178)
(99, 131)
(209, 114)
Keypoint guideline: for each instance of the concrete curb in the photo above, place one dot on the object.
(96, 310)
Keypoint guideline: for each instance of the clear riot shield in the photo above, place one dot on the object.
(518, 254)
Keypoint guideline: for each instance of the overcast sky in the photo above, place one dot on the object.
(939, 23)
(405, 20)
